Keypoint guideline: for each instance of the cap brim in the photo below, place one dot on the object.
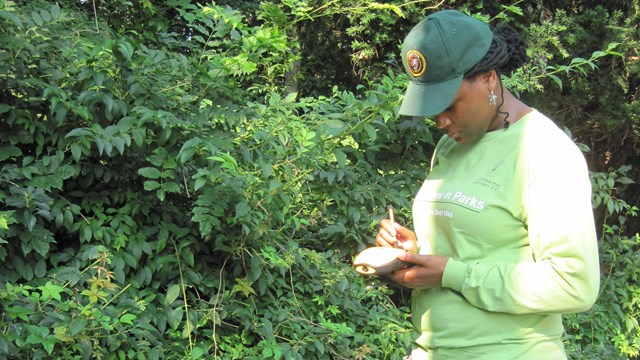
(429, 99)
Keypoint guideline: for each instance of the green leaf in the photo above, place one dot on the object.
(188, 149)
(138, 136)
(158, 157)
(242, 209)
(171, 187)
(127, 319)
(149, 172)
(244, 286)
(60, 332)
(76, 151)
(11, 17)
(334, 127)
(55, 12)
(186, 154)
(126, 50)
(33, 340)
(40, 270)
(18, 312)
(119, 143)
(175, 317)
(556, 80)
(9, 151)
(341, 158)
(86, 234)
(79, 132)
(172, 294)
(68, 274)
(40, 245)
(255, 269)
(371, 132)
(197, 353)
(101, 144)
(625, 180)
(82, 111)
(514, 9)
(578, 61)
(77, 325)
(163, 235)
(610, 206)
(37, 334)
(334, 229)
(268, 329)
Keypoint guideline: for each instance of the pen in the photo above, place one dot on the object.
(390, 208)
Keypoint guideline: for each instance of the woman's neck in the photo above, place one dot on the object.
(512, 110)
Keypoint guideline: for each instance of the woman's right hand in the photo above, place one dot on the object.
(396, 235)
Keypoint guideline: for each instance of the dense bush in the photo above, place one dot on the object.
(158, 205)
(163, 195)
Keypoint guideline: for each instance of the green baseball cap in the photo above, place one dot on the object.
(436, 53)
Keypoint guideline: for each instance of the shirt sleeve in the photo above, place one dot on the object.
(563, 275)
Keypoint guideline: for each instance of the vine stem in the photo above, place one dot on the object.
(184, 295)
(216, 306)
(95, 16)
(118, 294)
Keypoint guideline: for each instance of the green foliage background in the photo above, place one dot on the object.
(192, 179)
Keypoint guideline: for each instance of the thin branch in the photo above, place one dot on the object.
(95, 16)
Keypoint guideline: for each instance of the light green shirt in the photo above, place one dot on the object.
(513, 213)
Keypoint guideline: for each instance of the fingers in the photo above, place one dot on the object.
(392, 234)
(413, 258)
(409, 277)
(389, 226)
(386, 234)
(424, 274)
(404, 233)
(403, 277)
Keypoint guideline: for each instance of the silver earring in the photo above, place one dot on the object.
(492, 98)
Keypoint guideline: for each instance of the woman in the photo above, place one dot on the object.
(504, 239)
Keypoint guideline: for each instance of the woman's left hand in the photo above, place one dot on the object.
(425, 274)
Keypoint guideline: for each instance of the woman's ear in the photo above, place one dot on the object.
(490, 78)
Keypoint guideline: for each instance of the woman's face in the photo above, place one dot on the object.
(470, 116)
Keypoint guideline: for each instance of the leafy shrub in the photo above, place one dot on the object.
(610, 329)
(158, 205)
(162, 197)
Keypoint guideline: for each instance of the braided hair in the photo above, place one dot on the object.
(506, 53)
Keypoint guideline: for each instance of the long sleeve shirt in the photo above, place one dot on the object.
(512, 211)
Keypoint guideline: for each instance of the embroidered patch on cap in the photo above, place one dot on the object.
(416, 63)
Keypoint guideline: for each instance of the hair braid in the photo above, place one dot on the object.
(506, 53)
